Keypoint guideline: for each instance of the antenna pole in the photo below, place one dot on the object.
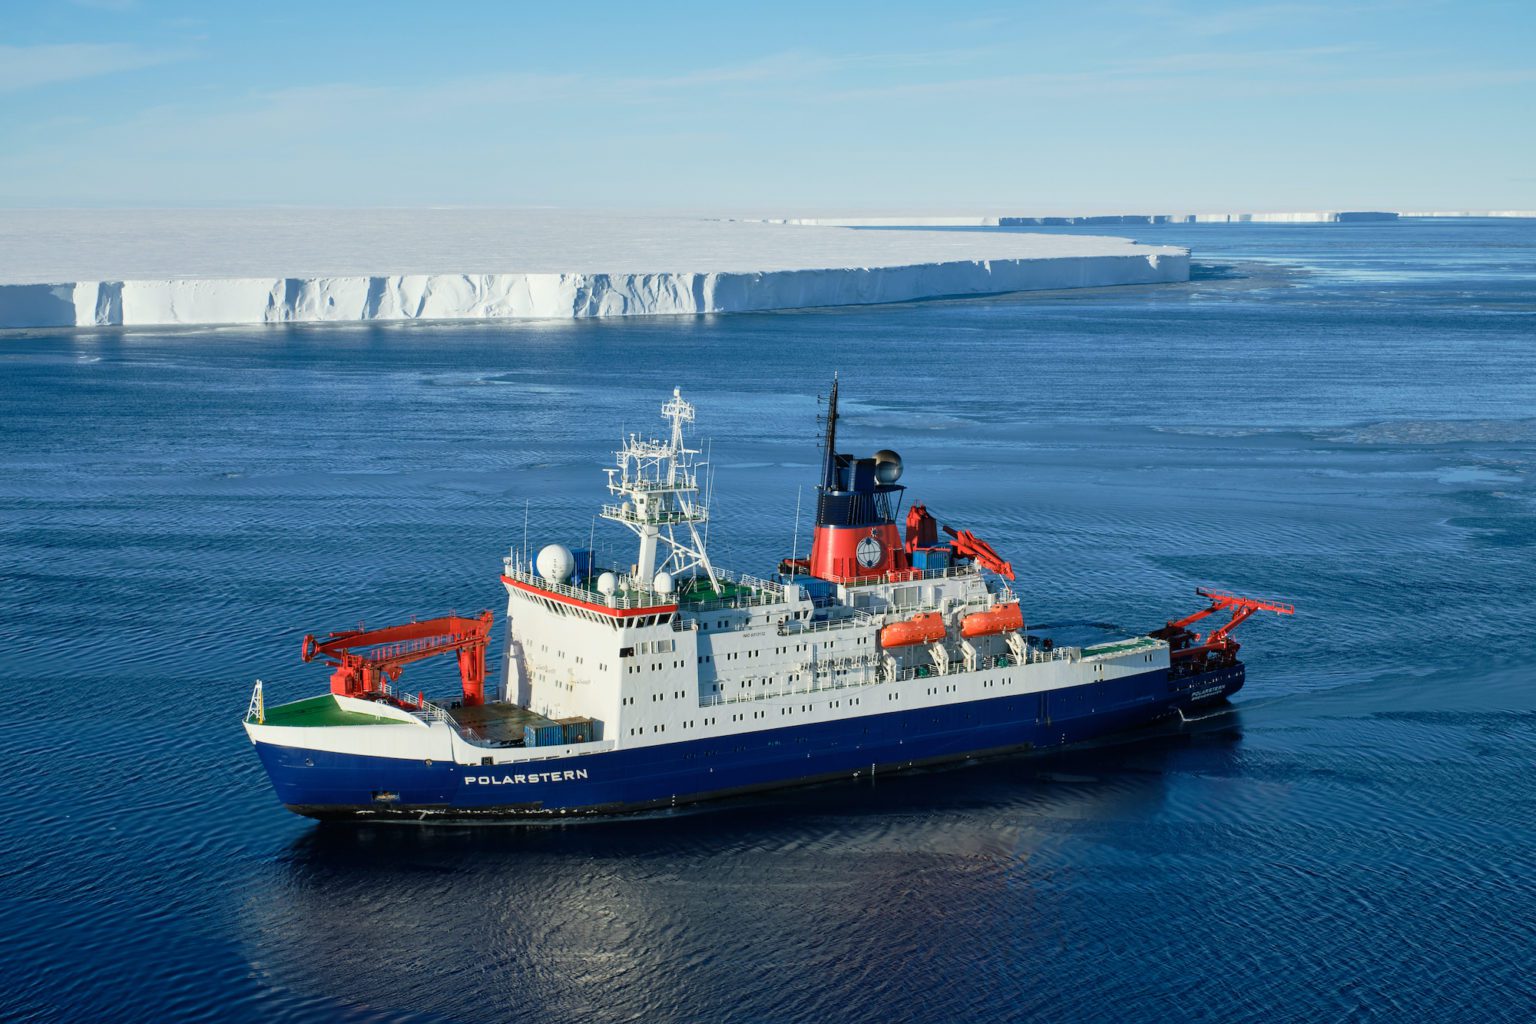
(794, 546)
(525, 532)
(829, 453)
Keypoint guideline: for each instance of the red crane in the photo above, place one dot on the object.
(364, 658)
(1217, 647)
(967, 545)
(922, 528)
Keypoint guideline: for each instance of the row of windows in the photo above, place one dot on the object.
(655, 647)
(747, 621)
(629, 621)
(655, 666)
(754, 715)
(676, 694)
(706, 659)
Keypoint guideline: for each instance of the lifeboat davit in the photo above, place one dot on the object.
(925, 628)
(1003, 618)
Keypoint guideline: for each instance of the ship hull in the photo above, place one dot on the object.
(351, 787)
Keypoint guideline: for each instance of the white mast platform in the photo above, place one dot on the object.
(659, 482)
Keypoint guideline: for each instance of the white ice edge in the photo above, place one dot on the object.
(255, 300)
(1109, 219)
(1096, 219)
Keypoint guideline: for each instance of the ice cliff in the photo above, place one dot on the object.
(61, 268)
(1099, 219)
(552, 295)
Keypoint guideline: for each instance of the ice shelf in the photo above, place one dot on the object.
(105, 267)
(1111, 219)
(1107, 219)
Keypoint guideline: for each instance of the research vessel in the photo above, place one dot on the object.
(672, 680)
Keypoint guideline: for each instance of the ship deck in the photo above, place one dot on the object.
(493, 725)
(318, 712)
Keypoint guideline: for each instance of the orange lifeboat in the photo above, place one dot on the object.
(925, 628)
(1003, 618)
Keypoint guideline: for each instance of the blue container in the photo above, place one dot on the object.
(815, 589)
(586, 562)
(580, 730)
(547, 735)
(930, 558)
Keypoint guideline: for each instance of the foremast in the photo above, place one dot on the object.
(662, 505)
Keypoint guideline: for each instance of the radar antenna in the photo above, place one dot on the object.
(659, 482)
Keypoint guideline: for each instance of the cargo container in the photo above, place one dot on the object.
(931, 558)
(543, 734)
(585, 561)
(580, 730)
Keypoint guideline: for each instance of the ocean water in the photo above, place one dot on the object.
(1343, 416)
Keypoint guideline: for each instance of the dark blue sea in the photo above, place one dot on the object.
(1342, 416)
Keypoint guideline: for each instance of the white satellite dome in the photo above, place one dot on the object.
(664, 582)
(555, 563)
(607, 584)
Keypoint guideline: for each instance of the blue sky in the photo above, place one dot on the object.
(789, 107)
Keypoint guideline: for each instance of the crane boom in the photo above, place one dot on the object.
(1217, 647)
(967, 545)
(363, 659)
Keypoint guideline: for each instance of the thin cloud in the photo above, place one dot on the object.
(1200, 21)
(30, 67)
(803, 66)
(1230, 60)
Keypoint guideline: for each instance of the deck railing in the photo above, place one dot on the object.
(914, 575)
(416, 704)
(870, 676)
(795, 627)
(629, 595)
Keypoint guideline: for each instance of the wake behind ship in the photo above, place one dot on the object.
(674, 680)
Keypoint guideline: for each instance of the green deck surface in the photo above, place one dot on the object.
(323, 710)
(698, 591)
(1117, 647)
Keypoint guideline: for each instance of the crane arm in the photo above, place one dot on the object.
(967, 545)
(1242, 608)
(364, 658)
(1218, 643)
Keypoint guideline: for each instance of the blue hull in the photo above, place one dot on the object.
(340, 786)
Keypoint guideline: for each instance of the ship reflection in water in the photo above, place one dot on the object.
(794, 904)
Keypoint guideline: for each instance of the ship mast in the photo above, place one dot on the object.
(829, 444)
(659, 482)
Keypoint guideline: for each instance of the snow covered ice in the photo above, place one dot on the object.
(98, 267)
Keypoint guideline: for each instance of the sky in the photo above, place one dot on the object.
(776, 109)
